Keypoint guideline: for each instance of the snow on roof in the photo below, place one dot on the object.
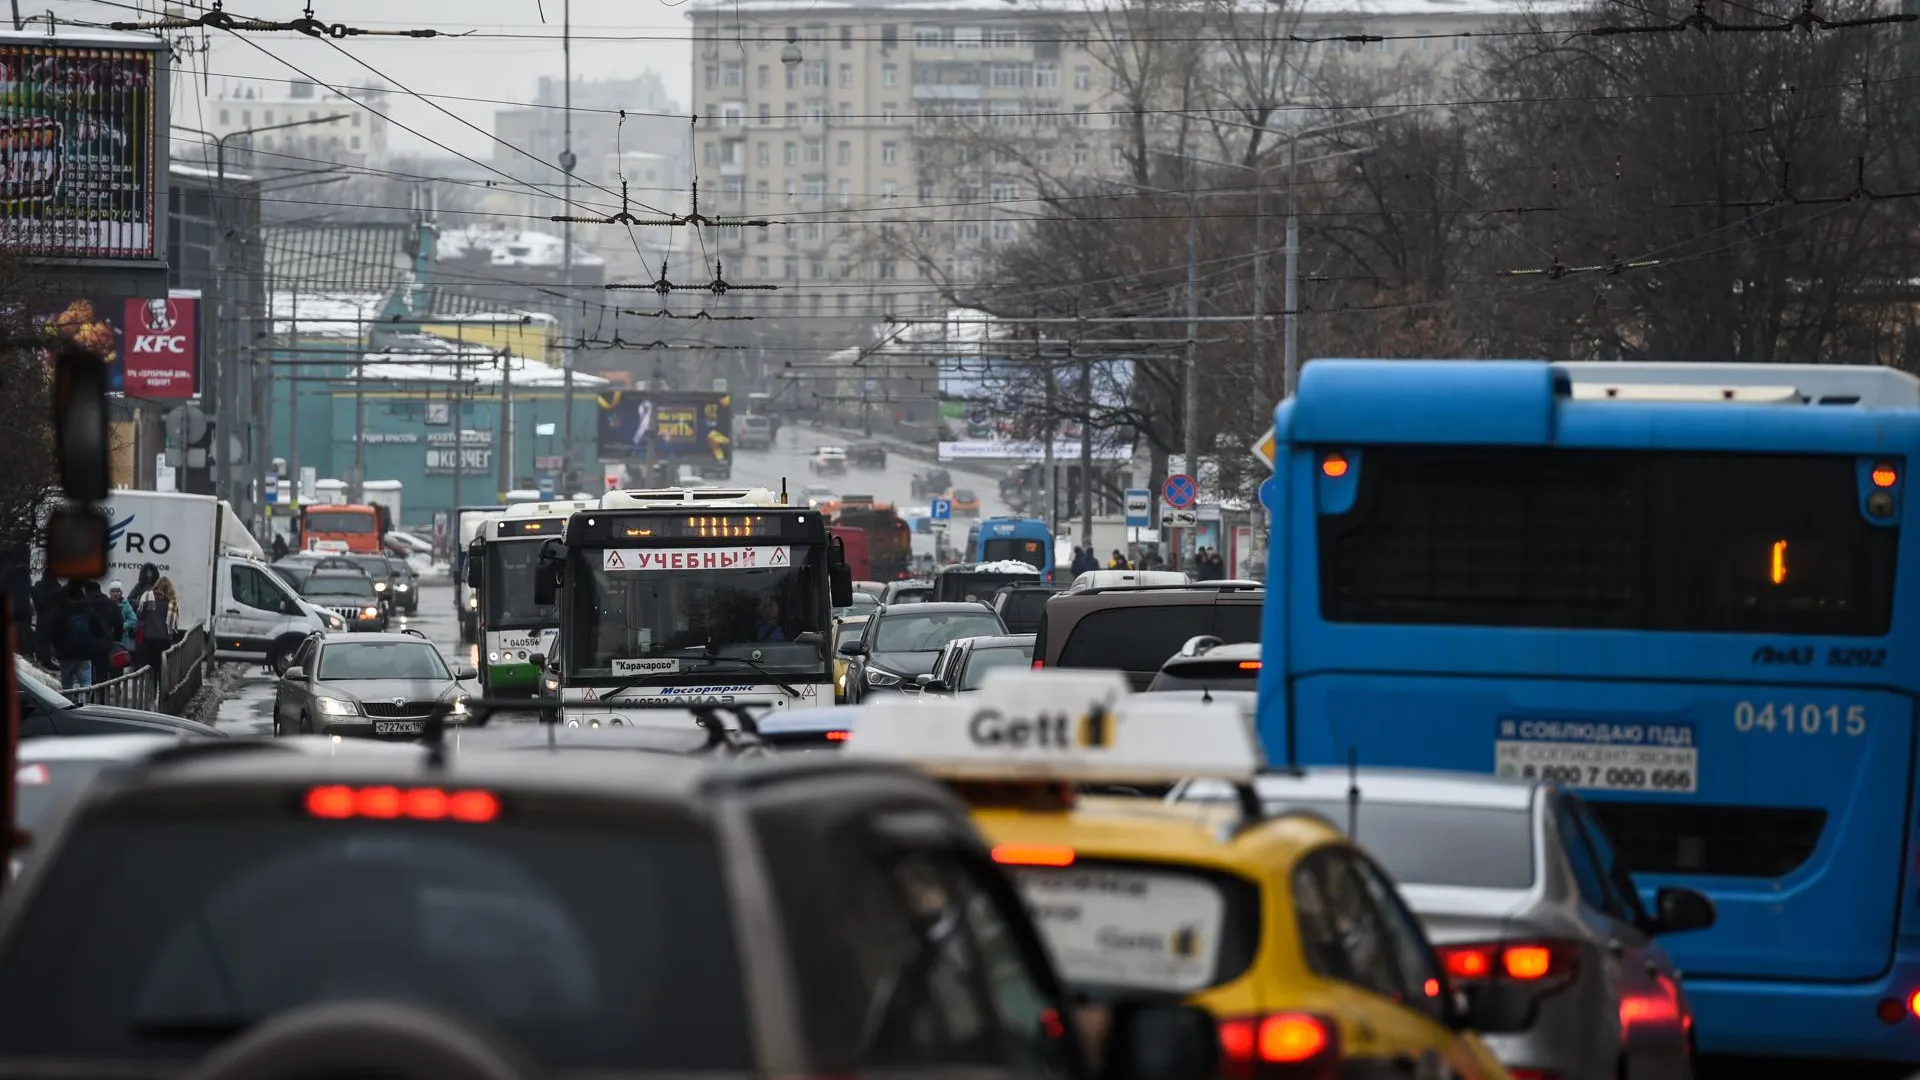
(1311, 11)
(208, 174)
(69, 35)
(511, 247)
(525, 372)
(323, 314)
(496, 318)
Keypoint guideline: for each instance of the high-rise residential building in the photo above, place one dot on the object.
(333, 128)
(649, 147)
(825, 120)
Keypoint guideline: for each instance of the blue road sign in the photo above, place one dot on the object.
(546, 487)
(1268, 494)
(1139, 508)
(942, 510)
(1180, 491)
(271, 493)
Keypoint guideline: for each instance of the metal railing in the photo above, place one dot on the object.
(169, 689)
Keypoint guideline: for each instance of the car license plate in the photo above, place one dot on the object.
(398, 727)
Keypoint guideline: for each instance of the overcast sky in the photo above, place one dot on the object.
(493, 68)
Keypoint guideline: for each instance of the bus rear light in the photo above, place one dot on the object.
(838, 736)
(1249, 665)
(1334, 465)
(1279, 1045)
(1545, 964)
(1884, 476)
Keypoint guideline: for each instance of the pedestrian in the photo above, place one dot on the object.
(159, 621)
(80, 636)
(46, 610)
(19, 588)
(109, 611)
(128, 620)
(279, 547)
(143, 585)
(1119, 561)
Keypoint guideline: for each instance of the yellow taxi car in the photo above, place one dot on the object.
(845, 631)
(1289, 936)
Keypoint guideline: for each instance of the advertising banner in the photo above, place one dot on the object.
(162, 347)
(92, 323)
(673, 425)
(77, 150)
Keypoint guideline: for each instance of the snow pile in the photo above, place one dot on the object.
(1005, 566)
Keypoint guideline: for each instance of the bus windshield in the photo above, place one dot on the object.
(508, 583)
(1031, 552)
(661, 621)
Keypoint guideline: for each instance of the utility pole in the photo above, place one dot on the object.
(1290, 370)
(1086, 450)
(567, 162)
(504, 446)
(1191, 444)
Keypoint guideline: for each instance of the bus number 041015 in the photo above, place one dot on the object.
(1805, 719)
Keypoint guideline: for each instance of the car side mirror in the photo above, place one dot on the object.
(1159, 1042)
(538, 660)
(547, 573)
(1680, 911)
(463, 672)
(853, 648)
(808, 637)
(295, 674)
(1496, 1008)
(925, 681)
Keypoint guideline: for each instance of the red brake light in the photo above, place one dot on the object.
(1251, 1045)
(1038, 663)
(1249, 665)
(1033, 855)
(339, 802)
(837, 736)
(1542, 963)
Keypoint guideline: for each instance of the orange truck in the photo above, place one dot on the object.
(889, 539)
(338, 527)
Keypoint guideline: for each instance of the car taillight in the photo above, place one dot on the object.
(1544, 964)
(383, 803)
(1533, 1074)
(1279, 1046)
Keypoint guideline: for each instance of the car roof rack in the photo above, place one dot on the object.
(1195, 586)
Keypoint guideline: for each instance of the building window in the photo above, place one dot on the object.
(846, 193)
(710, 153)
(760, 267)
(1460, 44)
(889, 113)
(846, 112)
(816, 114)
(889, 35)
(816, 72)
(816, 269)
(792, 268)
(1004, 37)
(765, 76)
(1045, 155)
(246, 117)
(816, 192)
(1384, 45)
(1081, 117)
(713, 76)
(793, 77)
(734, 73)
(1005, 190)
(1008, 75)
(356, 120)
(1046, 76)
(1115, 157)
(924, 230)
(967, 231)
(843, 305)
(793, 152)
(730, 115)
(1426, 41)
(814, 34)
(966, 37)
(845, 152)
(846, 37)
(889, 153)
(1005, 232)
(793, 115)
(816, 151)
(766, 115)
(888, 190)
(928, 37)
(356, 142)
(761, 155)
(889, 74)
(762, 194)
(887, 270)
(846, 76)
(1083, 78)
(926, 192)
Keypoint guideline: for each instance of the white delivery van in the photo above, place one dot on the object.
(218, 572)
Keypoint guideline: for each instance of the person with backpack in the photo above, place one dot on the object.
(46, 606)
(80, 636)
(129, 622)
(159, 619)
(108, 609)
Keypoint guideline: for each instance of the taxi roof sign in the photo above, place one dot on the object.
(1081, 726)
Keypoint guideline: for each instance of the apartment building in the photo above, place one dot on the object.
(332, 128)
(648, 147)
(837, 146)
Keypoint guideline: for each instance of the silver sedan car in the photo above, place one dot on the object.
(1517, 881)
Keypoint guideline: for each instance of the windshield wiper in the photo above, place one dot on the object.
(770, 676)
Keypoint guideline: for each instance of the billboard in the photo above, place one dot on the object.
(675, 425)
(152, 346)
(161, 353)
(77, 149)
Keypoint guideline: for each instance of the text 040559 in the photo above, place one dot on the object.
(1801, 718)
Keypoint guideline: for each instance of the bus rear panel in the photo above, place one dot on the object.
(1686, 612)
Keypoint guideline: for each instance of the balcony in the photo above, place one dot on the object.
(945, 92)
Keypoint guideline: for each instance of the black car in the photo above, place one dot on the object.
(45, 711)
(241, 911)
(378, 568)
(930, 482)
(902, 642)
(963, 665)
(349, 594)
(867, 456)
(406, 585)
(1022, 606)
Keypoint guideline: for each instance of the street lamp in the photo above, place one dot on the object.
(228, 404)
(790, 55)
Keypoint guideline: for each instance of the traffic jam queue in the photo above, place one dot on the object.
(1219, 906)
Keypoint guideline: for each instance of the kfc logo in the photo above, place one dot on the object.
(161, 348)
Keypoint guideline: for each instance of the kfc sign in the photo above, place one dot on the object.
(162, 353)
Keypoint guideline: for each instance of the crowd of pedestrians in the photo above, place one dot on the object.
(89, 635)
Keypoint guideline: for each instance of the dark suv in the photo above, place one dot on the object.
(1135, 629)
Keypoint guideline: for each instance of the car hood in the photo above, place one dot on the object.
(904, 663)
(180, 723)
(323, 600)
(384, 689)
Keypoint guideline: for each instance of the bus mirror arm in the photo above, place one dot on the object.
(839, 574)
(547, 573)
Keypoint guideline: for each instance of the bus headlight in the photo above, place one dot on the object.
(379, 586)
(493, 658)
(473, 602)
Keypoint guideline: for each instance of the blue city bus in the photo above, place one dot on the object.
(1020, 539)
(1671, 588)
